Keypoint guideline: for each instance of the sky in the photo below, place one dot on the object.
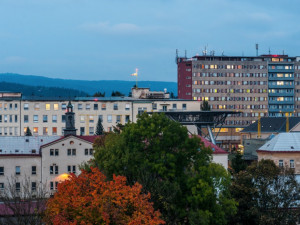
(107, 40)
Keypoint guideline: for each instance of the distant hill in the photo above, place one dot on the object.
(90, 87)
(41, 91)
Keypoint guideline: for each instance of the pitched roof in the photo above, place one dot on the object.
(283, 142)
(272, 124)
(216, 149)
(23, 145)
(90, 139)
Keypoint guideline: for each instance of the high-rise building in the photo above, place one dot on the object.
(266, 85)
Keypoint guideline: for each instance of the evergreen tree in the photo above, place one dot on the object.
(99, 128)
(238, 164)
(28, 132)
(205, 106)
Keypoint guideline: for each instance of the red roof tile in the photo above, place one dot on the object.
(216, 149)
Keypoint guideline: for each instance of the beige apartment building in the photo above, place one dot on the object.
(46, 116)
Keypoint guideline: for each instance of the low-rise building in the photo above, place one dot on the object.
(283, 149)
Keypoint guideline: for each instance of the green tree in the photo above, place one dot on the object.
(99, 94)
(99, 128)
(205, 106)
(175, 168)
(116, 94)
(266, 194)
(28, 132)
(237, 163)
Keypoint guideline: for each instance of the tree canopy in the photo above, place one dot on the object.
(185, 186)
(205, 106)
(91, 199)
(266, 194)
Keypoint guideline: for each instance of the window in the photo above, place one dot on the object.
(55, 106)
(1, 186)
(45, 118)
(54, 169)
(26, 106)
(81, 130)
(16, 118)
(37, 106)
(118, 118)
(71, 151)
(280, 163)
(79, 106)
(82, 119)
(91, 130)
(174, 106)
(51, 152)
(91, 119)
(292, 163)
(16, 106)
(183, 106)
(63, 118)
(18, 170)
(45, 130)
(35, 118)
(95, 106)
(103, 106)
(26, 119)
(0, 118)
(33, 186)
(56, 152)
(35, 130)
(86, 152)
(63, 106)
(48, 107)
(33, 170)
(18, 186)
(127, 107)
(91, 151)
(127, 118)
(33, 151)
(71, 169)
(164, 108)
(109, 118)
(88, 106)
(5, 118)
(115, 106)
(52, 187)
(1, 171)
(54, 118)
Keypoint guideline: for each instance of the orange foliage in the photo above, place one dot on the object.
(91, 199)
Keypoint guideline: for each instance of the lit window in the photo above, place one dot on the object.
(54, 130)
(35, 130)
(45, 130)
(36, 106)
(82, 119)
(55, 106)
(48, 107)
(103, 106)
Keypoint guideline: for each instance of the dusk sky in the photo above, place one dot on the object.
(107, 40)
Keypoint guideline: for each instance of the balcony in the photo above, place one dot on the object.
(281, 86)
(280, 110)
(286, 94)
(281, 78)
(281, 102)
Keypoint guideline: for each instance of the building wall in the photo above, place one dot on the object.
(46, 117)
(221, 159)
(184, 77)
(10, 162)
(63, 159)
(286, 157)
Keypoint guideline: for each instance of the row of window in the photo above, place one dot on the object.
(256, 99)
(9, 131)
(18, 170)
(88, 106)
(253, 90)
(281, 67)
(292, 163)
(9, 118)
(280, 83)
(8, 106)
(229, 74)
(281, 75)
(229, 67)
(18, 186)
(55, 152)
(228, 82)
(54, 169)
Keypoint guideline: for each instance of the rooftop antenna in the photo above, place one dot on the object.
(176, 58)
(205, 50)
(269, 51)
(256, 46)
(212, 53)
(185, 53)
(222, 53)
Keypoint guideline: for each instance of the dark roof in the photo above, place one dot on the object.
(272, 124)
(216, 149)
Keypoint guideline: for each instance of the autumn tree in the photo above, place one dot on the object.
(266, 194)
(91, 199)
(175, 168)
